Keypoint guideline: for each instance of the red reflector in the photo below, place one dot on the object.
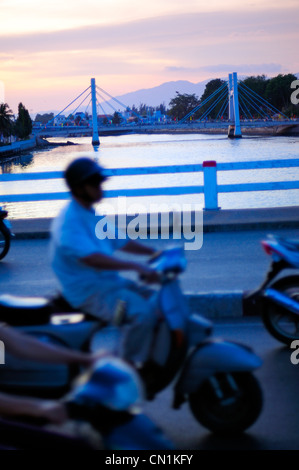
(268, 249)
(209, 163)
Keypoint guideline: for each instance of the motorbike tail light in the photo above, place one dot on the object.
(268, 248)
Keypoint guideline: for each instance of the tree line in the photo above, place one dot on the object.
(276, 91)
(20, 127)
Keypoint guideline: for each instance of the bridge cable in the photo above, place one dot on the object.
(107, 102)
(100, 106)
(117, 101)
(81, 103)
(260, 98)
(203, 103)
(256, 106)
(222, 109)
(241, 103)
(213, 105)
(51, 120)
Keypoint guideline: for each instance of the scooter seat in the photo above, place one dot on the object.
(14, 301)
(17, 311)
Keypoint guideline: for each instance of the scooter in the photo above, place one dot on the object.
(276, 300)
(215, 376)
(5, 233)
(109, 396)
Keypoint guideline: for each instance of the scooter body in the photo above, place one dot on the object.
(46, 380)
(50, 320)
(208, 363)
(215, 357)
(204, 355)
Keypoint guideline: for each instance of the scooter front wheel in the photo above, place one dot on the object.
(4, 240)
(227, 402)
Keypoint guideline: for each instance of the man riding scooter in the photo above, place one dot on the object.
(87, 267)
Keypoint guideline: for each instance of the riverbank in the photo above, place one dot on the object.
(15, 148)
(41, 142)
(34, 143)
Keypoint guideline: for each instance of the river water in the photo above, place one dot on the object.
(136, 150)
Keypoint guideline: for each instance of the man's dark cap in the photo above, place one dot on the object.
(81, 170)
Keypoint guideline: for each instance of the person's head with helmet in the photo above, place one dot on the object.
(84, 177)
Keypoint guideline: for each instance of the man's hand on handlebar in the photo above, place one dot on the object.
(148, 275)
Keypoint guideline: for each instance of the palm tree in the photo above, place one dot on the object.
(6, 120)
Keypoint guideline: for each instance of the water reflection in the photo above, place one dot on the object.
(10, 165)
(137, 150)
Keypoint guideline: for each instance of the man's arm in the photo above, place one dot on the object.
(113, 263)
(53, 411)
(28, 347)
(138, 248)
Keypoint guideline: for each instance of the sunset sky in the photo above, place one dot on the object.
(50, 50)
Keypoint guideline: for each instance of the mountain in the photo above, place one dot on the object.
(161, 94)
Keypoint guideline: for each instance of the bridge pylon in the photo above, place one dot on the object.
(234, 128)
(95, 131)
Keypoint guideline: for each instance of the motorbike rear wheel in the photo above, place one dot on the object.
(4, 240)
(280, 322)
(227, 403)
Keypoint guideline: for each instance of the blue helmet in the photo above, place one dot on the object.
(82, 169)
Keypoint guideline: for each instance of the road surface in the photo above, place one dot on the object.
(227, 261)
(276, 427)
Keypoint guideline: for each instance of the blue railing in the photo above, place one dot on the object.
(210, 188)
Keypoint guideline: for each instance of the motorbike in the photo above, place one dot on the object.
(109, 397)
(276, 300)
(215, 376)
(5, 233)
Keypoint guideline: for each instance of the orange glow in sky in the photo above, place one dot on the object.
(50, 50)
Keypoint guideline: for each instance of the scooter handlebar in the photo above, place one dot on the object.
(169, 263)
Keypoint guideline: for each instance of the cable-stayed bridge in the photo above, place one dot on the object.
(233, 105)
(239, 106)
